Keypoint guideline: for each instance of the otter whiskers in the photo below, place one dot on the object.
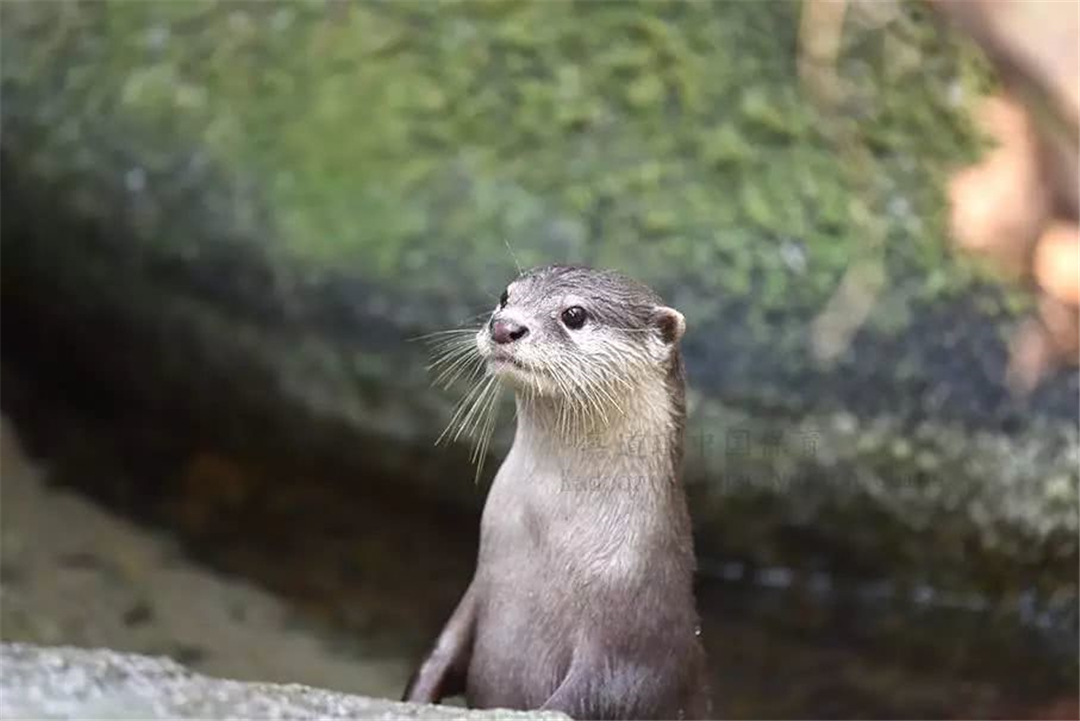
(455, 356)
(589, 393)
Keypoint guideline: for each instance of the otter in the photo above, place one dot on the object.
(582, 600)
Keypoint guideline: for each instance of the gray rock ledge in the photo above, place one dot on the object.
(69, 683)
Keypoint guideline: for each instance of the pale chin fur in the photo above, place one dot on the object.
(517, 378)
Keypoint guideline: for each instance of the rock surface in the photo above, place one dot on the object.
(74, 573)
(74, 683)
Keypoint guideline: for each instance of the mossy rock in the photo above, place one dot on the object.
(234, 217)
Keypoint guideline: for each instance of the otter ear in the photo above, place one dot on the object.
(670, 323)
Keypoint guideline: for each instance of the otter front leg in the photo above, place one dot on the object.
(443, 672)
(575, 696)
(613, 689)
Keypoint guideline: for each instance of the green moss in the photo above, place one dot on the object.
(407, 144)
(371, 128)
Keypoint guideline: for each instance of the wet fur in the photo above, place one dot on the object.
(582, 600)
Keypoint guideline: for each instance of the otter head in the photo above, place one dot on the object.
(581, 336)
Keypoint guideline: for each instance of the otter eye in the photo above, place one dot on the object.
(574, 317)
(503, 298)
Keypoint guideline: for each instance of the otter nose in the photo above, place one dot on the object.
(507, 331)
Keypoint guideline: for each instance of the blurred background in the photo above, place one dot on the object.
(222, 223)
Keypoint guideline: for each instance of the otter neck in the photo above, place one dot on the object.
(611, 499)
(633, 446)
